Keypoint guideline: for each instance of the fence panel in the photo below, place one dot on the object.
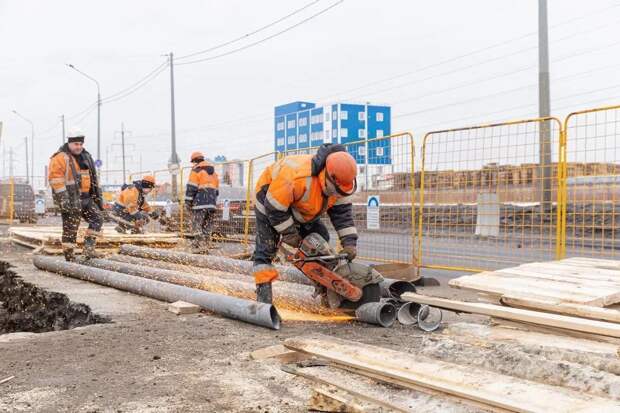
(230, 218)
(592, 183)
(256, 166)
(488, 195)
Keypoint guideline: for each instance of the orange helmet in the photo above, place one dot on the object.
(148, 181)
(341, 169)
(197, 156)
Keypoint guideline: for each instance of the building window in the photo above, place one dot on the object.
(291, 124)
(361, 151)
(334, 115)
(334, 133)
(379, 117)
(379, 133)
(344, 133)
(344, 115)
(327, 117)
(379, 151)
(281, 142)
(362, 133)
(302, 138)
(361, 116)
(303, 121)
(280, 126)
(291, 140)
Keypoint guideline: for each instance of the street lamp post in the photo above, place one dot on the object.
(31, 144)
(98, 160)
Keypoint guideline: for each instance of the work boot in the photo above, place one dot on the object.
(119, 229)
(68, 253)
(263, 293)
(89, 248)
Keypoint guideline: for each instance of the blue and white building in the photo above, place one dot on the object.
(301, 125)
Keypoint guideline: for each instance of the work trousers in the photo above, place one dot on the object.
(202, 223)
(71, 220)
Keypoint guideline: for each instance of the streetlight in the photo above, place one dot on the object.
(31, 145)
(98, 160)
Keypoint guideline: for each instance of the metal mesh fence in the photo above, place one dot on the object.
(591, 183)
(488, 195)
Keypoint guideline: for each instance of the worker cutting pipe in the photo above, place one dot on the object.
(131, 210)
(291, 196)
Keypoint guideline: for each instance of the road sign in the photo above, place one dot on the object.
(372, 212)
(98, 163)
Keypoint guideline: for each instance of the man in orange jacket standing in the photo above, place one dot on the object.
(291, 196)
(76, 192)
(201, 194)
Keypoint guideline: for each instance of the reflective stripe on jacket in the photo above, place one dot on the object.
(202, 187)
(291, 191)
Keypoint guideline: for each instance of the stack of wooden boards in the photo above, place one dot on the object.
(47, 239)
(575, 296)
(350, 376)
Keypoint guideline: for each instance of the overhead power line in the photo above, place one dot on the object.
(245, 36)
(281, 32)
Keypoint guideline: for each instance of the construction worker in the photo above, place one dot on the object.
(76, 192)
(291, 196)
(201, 194)
(131, 211)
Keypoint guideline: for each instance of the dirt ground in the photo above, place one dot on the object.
(150, 360)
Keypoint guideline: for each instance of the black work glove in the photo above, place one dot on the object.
(291, 237)
(351, 251)
(65, 202)
(154, 214)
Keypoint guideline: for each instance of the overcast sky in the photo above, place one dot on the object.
(438, 63)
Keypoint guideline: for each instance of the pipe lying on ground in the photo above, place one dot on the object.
(232, 307)
(391, 288)
(285, 295)
(381, 313)
(289, 274)
(408, 313)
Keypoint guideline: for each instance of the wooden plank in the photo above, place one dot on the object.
(484, 333)
(337, 401)
(593, 262)
(578, 310)
(466, 382)
(572, 269)
(361, 388)
(545, 319)
(497, 285)
(570, 277)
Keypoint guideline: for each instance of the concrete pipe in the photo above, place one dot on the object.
(391, 288)
(381, 313)
(408, 313)
(286, 295)
(288, 274)
(231, 307)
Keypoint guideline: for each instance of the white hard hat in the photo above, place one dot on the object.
(75, 133)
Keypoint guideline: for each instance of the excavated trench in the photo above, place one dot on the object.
(25, 307)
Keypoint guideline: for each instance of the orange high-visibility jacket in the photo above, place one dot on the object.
(61, 174)
(202, 187)
(131, 200)
(290, 191)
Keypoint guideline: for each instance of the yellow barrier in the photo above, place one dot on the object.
(488, 195)
(591, 183)
(11, 200)
(256, 166)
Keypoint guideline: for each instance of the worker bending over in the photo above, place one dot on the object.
(201, 194)
(76, 192)
(131, 210)
(291, 196)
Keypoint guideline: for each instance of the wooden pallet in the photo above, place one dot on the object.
(583, 287)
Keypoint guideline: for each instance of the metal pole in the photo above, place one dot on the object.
(366, 143)
(31, 141)
(123, 151)
(544, 105)
(98, 128)
(174, 158)
(11, 162)
(27, 176)
(62, 120)
(260, 314)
